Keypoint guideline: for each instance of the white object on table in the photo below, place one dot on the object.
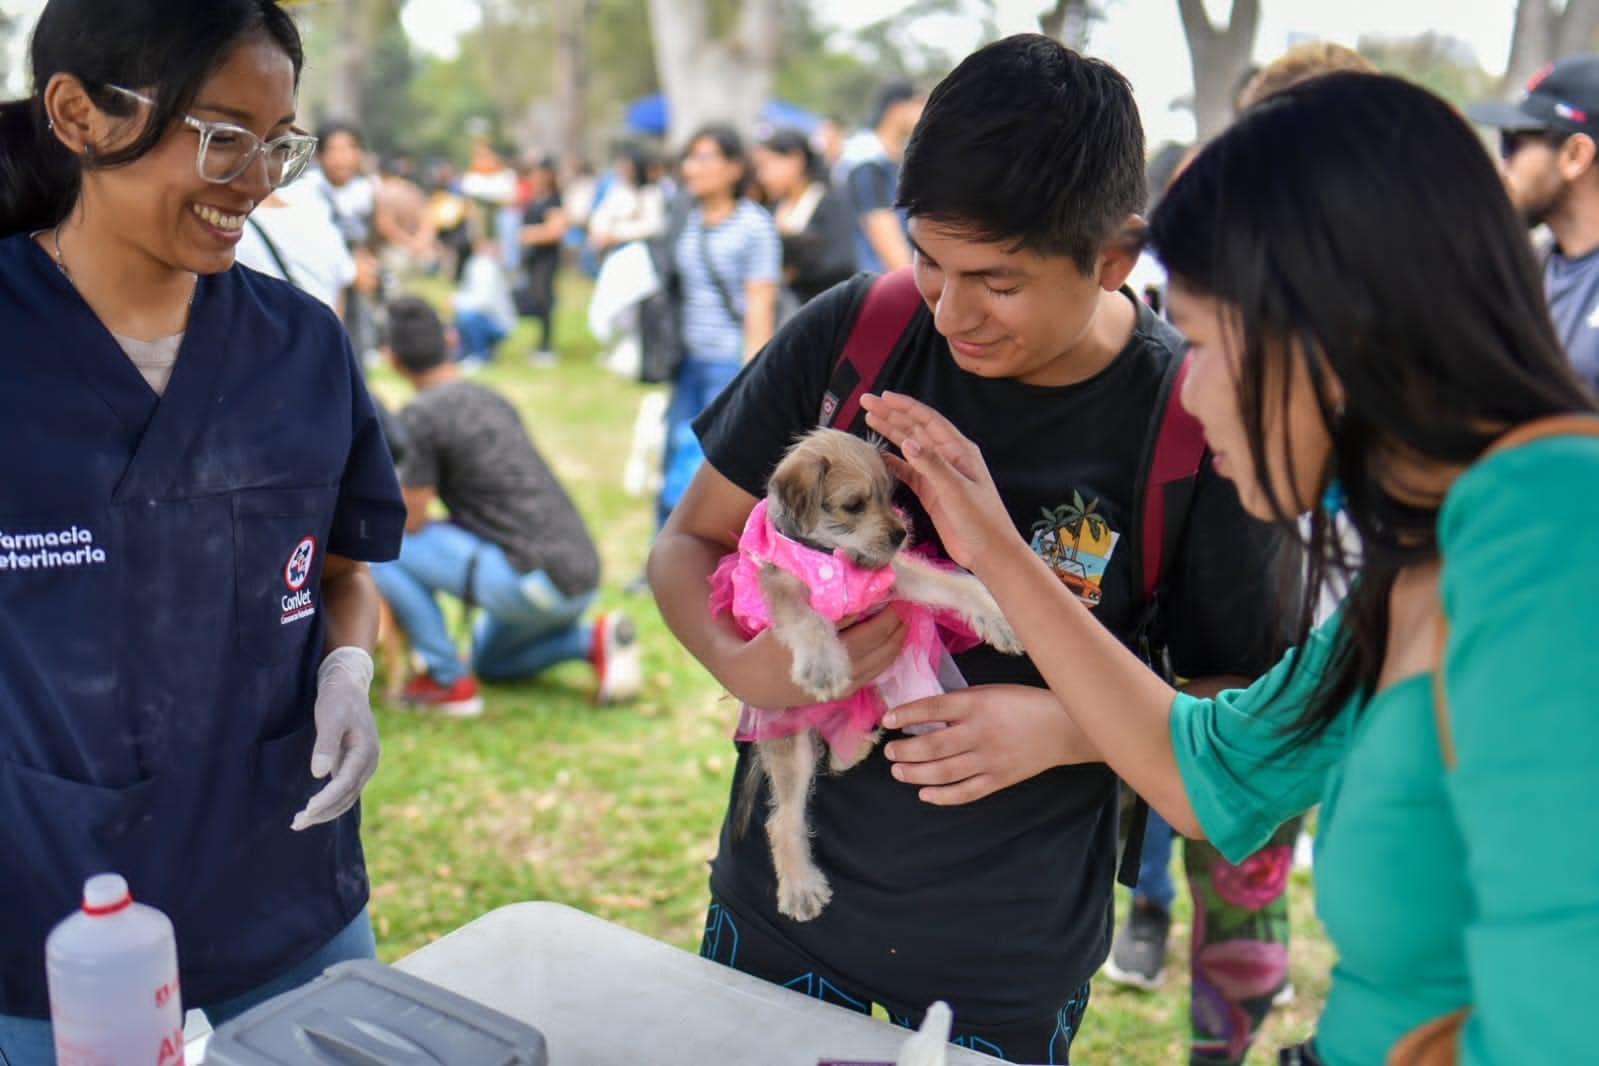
(930, 1044)
(603, 995)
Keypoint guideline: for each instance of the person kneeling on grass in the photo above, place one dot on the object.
(485, 312)
(514, 544)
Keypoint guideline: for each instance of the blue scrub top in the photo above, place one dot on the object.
(161, 620)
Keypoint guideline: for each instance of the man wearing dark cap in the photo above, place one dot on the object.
(1549, 142)
(869, 172)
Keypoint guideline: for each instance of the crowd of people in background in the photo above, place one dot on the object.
(500, 231)
(737, 235)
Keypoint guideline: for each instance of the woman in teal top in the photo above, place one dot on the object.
(1366, 322)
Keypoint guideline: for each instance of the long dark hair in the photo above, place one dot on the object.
(637, 162)
(789, 141)
(1356, 225)
(551, 166)
(173, 46)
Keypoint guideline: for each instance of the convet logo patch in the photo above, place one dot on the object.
(296, 572)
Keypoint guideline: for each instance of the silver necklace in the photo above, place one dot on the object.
(55, 240)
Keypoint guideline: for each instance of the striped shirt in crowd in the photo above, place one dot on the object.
(742, 248)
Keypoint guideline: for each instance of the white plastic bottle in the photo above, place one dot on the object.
(112, 970)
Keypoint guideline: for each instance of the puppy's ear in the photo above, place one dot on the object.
(796, 489)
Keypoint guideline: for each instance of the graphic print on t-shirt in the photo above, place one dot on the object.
(1077, 543)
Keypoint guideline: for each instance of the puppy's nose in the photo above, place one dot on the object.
(897, 537)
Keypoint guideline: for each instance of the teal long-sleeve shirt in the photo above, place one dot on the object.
(1440, 889)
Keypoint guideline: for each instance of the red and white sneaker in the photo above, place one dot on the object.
(458, 700)
(618, 661)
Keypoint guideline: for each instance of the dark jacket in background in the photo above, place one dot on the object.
(823, 254)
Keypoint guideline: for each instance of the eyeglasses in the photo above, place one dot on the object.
(1513, 141)
(227, 151)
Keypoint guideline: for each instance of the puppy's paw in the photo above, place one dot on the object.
(995, 630)
(803, 896)
(839, 763)
(821, 668)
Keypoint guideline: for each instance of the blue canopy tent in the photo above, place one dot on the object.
(648, 115)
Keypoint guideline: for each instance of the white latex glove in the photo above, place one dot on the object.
(346, 736)
(930, 1045)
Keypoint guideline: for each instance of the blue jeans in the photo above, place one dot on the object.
(508, 228)
(699, 381)
(480, 334)
(527, 625)
(1154, 865)
(29, 1042)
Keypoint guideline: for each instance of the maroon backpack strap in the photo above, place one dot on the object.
(1172, 455)
(886, 311)
(1174, 462)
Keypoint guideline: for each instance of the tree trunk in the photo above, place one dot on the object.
(1531, 43)
(1219, 58)
(572, 18)
(1579, 24)
(709, 80)
(1068, 23)
(347, 86)
(1542, 35)
(1053, 21)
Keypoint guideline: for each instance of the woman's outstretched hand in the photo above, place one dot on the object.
(947, 473)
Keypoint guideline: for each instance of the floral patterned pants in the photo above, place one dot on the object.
(1239, 950)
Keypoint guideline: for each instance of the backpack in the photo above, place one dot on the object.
(660, 315)
(1173, 449)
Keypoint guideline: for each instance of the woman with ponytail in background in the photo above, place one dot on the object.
(193, 470)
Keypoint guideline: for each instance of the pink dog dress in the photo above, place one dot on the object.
(841, 592)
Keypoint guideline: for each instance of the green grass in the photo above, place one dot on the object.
(615, 811)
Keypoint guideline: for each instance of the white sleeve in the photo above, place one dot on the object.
(341, 264)
(648, 218)
(251, 251)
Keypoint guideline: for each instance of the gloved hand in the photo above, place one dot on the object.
(346, 736)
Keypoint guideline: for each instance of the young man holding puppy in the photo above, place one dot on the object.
(967, 864)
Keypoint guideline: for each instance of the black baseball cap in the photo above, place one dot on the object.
(1561, 98)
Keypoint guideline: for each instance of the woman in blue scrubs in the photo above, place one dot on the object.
(193, 476)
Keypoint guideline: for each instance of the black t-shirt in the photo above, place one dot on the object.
(1002, 907)
(535, 255)
(468, 443)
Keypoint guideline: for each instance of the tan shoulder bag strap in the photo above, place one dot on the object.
(1553, 426)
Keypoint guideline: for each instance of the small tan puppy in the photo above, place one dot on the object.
(833, 492)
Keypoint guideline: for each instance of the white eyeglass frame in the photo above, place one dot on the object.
(304, 143)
